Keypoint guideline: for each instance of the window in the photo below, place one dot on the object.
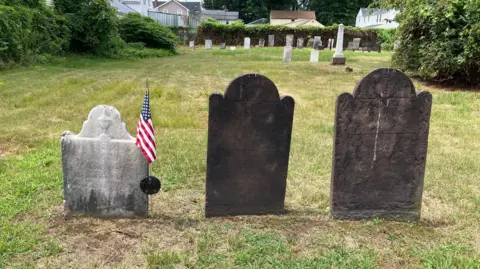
(165, 11)
(179, 12)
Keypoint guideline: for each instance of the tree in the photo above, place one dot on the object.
(337, 11)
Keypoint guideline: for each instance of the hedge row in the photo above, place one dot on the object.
(234, 34)
(26, 33)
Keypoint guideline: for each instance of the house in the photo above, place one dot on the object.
(376, 18)
(223, 16)
(121, 8)
(294, 18)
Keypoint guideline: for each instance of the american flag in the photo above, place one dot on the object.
(145, 133)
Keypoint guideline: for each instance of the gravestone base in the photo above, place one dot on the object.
(225, 210)
(338, 60)
(395, 215)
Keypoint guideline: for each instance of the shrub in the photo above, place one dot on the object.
(26, 33)
(234, 33)
(139, 51)
(137, 28)
(93, 24)
(440, 40)
(386, 37)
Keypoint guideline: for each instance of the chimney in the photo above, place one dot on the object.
(156, 4)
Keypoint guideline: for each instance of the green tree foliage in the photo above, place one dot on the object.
(439, 39)
(137, 28)
(28, 32)
(93, 24)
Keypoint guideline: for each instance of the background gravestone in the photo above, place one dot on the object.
(208, 44)
(271, 40)
(102, 168)
(249, 133)
(380, 148)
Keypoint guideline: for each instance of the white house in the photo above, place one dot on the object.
(293, 18)
(376, 18)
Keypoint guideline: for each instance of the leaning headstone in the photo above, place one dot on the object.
(103, 168)
(223, 46)
(246, 43)
(338, 58)
(261, 42)
(380, 148)
(287, 54)
(396, 44)
(317, 42)
(314, 54)
(271, 40)
(289, 41)
(208, 44)
(249, 134)
(191, 45)
(332, 43)
(300, 43)
(233, 48)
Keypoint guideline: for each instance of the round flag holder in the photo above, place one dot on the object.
(150, 185)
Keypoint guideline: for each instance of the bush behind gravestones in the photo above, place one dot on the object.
(234, 34)
(30, 34)
(93, 24)
(440, 40)
(137, 28)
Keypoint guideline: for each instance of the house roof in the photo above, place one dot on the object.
(302, 22)
(257, 22)
(191, 6)
(121, 7)
(292, 14)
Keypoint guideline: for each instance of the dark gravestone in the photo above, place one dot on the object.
(249, 133)
(381, 137)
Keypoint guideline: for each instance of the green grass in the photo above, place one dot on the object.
(40, 102)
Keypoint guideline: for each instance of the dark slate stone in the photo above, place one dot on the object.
(249, 133)
(380, 149)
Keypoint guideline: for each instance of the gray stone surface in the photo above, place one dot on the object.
(356, 43)
(317, 42)
(223, 46)
(102, 168)
(300, 43)
(208, 44)
(271, 40)
(261, 42)
(380, 149)
(289, 41)
(287, 54)
(249, 134)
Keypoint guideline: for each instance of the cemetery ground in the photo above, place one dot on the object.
(38, 103)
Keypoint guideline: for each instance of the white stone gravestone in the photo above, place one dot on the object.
(314, 54)
(246, 43)
(338, 58)
(289, 41)
(271, 40)
(222, 46)
(300, 42)
(208, 44)
(287, 54)
(102, 168)
(191, 45)
(261, 42)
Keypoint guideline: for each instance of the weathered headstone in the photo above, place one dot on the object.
(396, 44)
(349, 46)
(314, 54)
(246, 43)
(102, 168)
(332, 44)
(356, 44)
(223, 46)
(300, 42)
(261, 42)
(317, 42)
(208, 44)
(289, 41)
(271, 40)
(249, 134)
(191, 45)
(287, 54)
(380, 148)
(338, 58)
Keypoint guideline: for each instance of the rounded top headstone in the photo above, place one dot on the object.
(252, 88)
(385, 83)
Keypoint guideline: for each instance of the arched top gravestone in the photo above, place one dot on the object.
(249, 133)
(381, 137)
(103, 168)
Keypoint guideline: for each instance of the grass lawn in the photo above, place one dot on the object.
(38, 103)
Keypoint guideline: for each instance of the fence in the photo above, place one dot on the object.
(174, 20)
